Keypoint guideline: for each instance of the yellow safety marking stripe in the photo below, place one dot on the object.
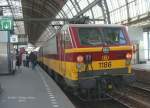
(97, 49)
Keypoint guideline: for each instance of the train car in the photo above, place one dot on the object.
(86, 56)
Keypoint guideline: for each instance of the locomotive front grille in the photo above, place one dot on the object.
(107, 72)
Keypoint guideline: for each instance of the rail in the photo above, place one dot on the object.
(132, 96)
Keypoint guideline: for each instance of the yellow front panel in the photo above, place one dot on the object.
(69, 69)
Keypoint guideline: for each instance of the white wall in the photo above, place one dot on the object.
(3, 36)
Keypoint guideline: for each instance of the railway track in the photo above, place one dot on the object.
(133, 96)
(110, 103)
(136, 95)
(93, 104)
(142, 86)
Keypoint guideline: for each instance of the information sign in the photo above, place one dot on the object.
(6, 23)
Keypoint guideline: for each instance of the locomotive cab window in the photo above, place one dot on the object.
(114, 36)
(99, 36)
(90, 36)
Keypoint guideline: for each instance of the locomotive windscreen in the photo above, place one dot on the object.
(98, 36)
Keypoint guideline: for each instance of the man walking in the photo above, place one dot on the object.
(33, 59)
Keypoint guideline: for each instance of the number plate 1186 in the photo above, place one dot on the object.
(105, 64)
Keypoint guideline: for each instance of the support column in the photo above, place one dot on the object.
(105, 10)
(127, 7)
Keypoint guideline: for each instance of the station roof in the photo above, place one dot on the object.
(46, 14)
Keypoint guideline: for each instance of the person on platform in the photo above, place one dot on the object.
(27, 60)
(24, 58)
(18, 61)
(33, 59)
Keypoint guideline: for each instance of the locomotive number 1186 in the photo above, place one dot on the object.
(105, 64)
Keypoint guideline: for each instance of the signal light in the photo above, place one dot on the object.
(128, 56)
(80, 59)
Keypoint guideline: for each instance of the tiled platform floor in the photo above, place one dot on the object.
(31, 89)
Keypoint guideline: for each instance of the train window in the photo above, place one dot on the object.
(99, 36)
(113, 36)
(90, 36)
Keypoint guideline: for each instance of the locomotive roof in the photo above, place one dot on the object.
(90, 25)
(95, 25)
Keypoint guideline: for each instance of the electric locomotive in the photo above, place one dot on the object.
(87, 56)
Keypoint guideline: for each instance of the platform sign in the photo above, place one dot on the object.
(14, 39)
(6, 23)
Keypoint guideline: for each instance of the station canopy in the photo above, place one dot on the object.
(39, 19)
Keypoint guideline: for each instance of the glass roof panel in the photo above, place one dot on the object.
(58, 16)
(3, 3)
(69, 15)
(122, 2)
(88, 13)
(97, 11)
(142, 6)
(130, 0)
(69, 4)
(78, 1)
(123, 13)
(118, 9)
(113, 4)
(132, 10)
(90, 1)
(99, 22)
(74, 11)
(83, 4)
(65, 9)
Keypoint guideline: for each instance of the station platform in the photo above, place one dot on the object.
(31, 89)
(142, 72)
(145, 67)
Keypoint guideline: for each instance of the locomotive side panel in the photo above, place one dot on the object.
(48, 51)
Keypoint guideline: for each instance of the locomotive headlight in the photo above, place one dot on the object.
(80, 65)
(80, 59)
(128, 58)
